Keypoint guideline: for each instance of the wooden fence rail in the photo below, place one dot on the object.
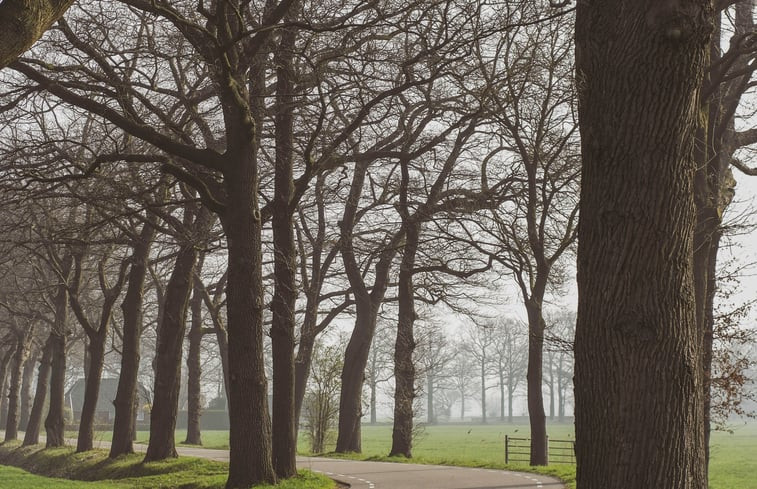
(518, 450)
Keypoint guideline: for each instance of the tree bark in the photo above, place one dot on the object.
(536, 416)
(355, 360)
(638, 371)
(250, 457)
(22, 22)
(96, 352)
(285, 257)
(367, 305)
(4, 364)
(31, 437)
(55, 423)
(125, 402)
(16, 379)
(250, 425)
(26, 388)
(194, 367)
(404, 368)
(171, 333)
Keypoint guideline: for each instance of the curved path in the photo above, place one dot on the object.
(388, 475)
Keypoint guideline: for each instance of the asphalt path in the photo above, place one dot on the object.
(388, 475)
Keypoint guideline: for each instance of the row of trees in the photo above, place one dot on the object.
(346, 155)
(335, 170)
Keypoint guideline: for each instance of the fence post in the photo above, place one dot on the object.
(507, 454)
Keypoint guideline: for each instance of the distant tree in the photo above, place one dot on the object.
(433, 354)
(559, 339)
(378, 369)
(509, 359)
(461, 378)
(479, 341)
(322, 398)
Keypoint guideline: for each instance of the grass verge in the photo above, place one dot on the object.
(62, 466)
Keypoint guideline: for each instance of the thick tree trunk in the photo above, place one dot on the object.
(125, 403)
(22, 22)
(404, 346)
(96, 351)
(285, 256)
(170, 342)
(250, 425)
(194, 367)
(638, 372)
(14, 390)
(26, 391)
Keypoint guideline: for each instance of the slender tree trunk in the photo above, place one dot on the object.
(430, 415)
(55, 421)
(462, 405)
(551, 390)
(355, 360)
(510, 395)
(373, 400)
(638, 371)
(561, 384)
(4, 402)
(170, 342)
(284, 444)
(26, 391)
(96, 350)
(367, 307)
(14, 391)
(404, 368)
(4, 365)
(501, 395)
(194, 367)
(302, 364)
(536, 416)
(31, 437)
(483, 388)
(126, 404)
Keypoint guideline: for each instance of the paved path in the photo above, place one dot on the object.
(387, 475)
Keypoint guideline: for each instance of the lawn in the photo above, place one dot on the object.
(64, 469)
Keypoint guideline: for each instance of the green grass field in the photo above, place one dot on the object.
(733, 464)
